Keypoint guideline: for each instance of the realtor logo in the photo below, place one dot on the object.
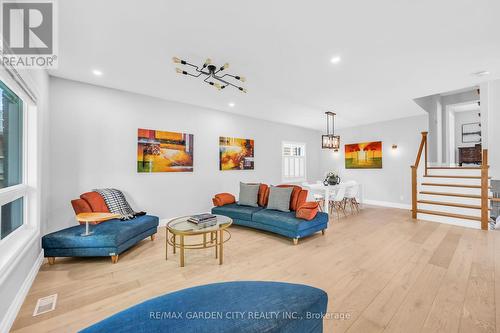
(28, 34)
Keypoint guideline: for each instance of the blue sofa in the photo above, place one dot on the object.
(243, 306)
(282, 223)
(109, 238)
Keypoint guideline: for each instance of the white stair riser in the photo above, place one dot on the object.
(460, 181)
(448, 220)
(448, 209)
(442, 198)
(455, 172)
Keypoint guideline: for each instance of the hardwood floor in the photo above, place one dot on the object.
(387, 273)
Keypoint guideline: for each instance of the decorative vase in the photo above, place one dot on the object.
(331, 179)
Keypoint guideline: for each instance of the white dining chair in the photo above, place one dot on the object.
(352, 189)
(317, 197)
(337, 201)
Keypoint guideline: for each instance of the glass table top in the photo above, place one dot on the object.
(181, 225)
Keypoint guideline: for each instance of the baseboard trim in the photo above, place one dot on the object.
(15, 306)
(387, 204)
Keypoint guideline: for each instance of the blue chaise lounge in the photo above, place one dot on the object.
(109, 238)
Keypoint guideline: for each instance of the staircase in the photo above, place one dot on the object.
(451, 194)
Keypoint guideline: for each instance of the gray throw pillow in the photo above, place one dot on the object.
(279, 198)
(249, 194)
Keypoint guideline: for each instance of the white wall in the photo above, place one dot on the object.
(490, 98)
(390, 185)
(93, 144)
(439, 136)
(432, 105)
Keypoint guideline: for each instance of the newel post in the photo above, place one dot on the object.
(424, 139)
(485, 216)
(413, 192)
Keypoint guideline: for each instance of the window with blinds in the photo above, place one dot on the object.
(293, 161)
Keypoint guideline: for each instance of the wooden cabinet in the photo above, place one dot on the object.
(469, 155)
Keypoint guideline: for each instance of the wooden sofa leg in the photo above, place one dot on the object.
(323, 232)
(114, 259)
(52, 260)
(295, 241)
(153, 237)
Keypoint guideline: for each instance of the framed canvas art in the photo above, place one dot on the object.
(365, 155)
(161, 151)
(471, 133)
(236, 154)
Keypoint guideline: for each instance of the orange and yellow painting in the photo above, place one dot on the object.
(236, 154)
(365, 155)
(159, 151)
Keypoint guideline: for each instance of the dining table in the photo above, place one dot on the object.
(328, 190)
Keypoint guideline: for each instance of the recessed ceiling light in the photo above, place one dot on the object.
(481, 73)
(96, 72)
(231, 105)
(335, 60)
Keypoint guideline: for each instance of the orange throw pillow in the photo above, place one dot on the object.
(307, 211)
(80, 206)
(263, 195)
(96, 202)
(222, 199)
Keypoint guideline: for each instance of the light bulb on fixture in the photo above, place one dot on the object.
(241, 78)
(207, 62)
(217, 85)
(335, 60)
(178, 70)
(226, 66)
(176, 60)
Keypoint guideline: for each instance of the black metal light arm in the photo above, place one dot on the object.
(211, 72)
(230, 84)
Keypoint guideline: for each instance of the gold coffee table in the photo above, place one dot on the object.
(181, 228)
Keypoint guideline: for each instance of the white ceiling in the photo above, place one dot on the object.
(392, 52)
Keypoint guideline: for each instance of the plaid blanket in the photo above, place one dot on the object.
(116, 202)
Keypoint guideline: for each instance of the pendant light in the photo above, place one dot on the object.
(330, 140)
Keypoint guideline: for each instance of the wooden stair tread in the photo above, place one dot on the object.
(452, 185)
(450, 176)
(458, 216)
(451, 204)
(447, 194)
(456, 167)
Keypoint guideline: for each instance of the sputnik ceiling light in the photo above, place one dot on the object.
(213, 74)
(330, 140)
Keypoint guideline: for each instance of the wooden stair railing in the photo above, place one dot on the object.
(485, 214)
(414, 168)
(484, 196)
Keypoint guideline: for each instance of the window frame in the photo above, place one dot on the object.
(284, 158)
(20, 240)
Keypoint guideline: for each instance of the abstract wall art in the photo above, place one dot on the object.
(365, 155)
(160, 151)
(236, 154)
